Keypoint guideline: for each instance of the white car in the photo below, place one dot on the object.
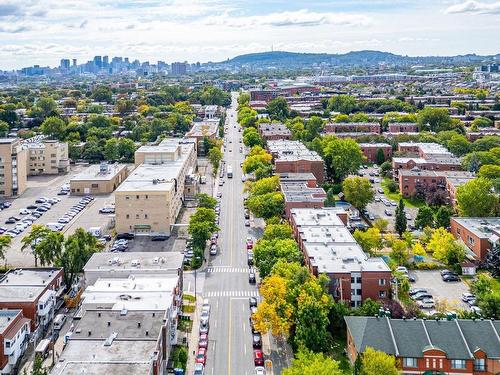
(426, 303)
(476, 310)
(259, 370)
(64, 220)
(402, 269)
(24, 211)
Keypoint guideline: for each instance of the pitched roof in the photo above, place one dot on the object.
(459, 339)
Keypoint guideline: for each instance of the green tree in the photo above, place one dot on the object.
(312, 128)
(252, 138)
(380, 156)
(215, 156)
(489, 171)
(376, 363)
(277, 231)
(126, 149)
(392, 186)
(476, 199)
(53, 127)
(400, 218)
(267, 205)
(102, 94)
(443, 216)
(309, 363)
(4, 245)
(278, 109)
(206, 201)
(381, 224)
(38, 368)
(342, 156)
(111, 149)
(265, 185)
(369, 308)
(458, 145)
(444, 248)
(4, 128)
(369, 240)
(482, 122)
(342, 103)
(358, 191)
(399, 252)
(49, 248)
(33, 238)
(78, 248)
(201, 226)
(434, 119)
(490, 305)
(268, 252)
(424, 218)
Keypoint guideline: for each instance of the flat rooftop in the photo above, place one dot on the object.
(93, 173)
(326, 234)
(124, 324)
(300, 192)
(433, 173)
(6, 317)
(327, 216)
(149, 261)
(20, 293)
(147, 177)
(302, 177)
(427, 148)
(291, 150)
(374, 145)
(200, 129)
(93, 357)
(483, 227)
(29, 277)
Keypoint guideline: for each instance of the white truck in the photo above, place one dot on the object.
(95, 231)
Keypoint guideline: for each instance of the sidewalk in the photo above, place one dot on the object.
(194, 335)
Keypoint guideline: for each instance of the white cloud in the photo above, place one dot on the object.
(475, 7)
(301, 17)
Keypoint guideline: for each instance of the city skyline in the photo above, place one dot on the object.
(214, 30)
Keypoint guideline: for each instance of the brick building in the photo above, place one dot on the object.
(352, 127)
(402, 127)
(14, 339)
(429, 346)
(478, 233)
(294, 157)
(370, 151)
(329, 248)
(301, 192)
(274, 132)
(483, 132)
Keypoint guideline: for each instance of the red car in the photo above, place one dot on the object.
(258, 357)
(201, 357)
(203, 341)
(249, 243)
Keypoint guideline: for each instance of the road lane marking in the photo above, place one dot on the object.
(229, 343)
(245, 349)
(244, 325)
(215, 324)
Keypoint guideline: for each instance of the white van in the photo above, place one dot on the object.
(42, 349)
(59, 321)
(95, 231)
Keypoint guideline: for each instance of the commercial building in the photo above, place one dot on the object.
(330, 249)
(46, 156)
(13, 162)
(294, 157)
(478, 233)
(14, 338)
(150, 199)
(274, 131)
(301, 191)
(34, 291)
(179, 68)
(429, 346)
(124, 265)
(370, 151)
(425, 156)
(98, 179)
(413, 180)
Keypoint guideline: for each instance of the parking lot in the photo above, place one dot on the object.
(449, 292)
(49, 186)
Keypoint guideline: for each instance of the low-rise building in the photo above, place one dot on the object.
(13, 162)
(34, 291)
(300, 193)
(421, 346)
(46, 156)
(14, 338)
(483, 132)
(329, 248)
(294, 157)
(370, 151)
(402, 127)
(98, 179)
(274, 131)
(203, 129)
(352, 127)
(478, 233)
(150, 199)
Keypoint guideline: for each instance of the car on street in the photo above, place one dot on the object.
(259, 370)
(380, 190)
(252, 301)
(213, 249)
(247, 223)
(251, 277)
(257, 340)
(203, 341)
(450, 278)
(204, 326)
(201, 357)
(467, 297)
(199, 369)
(250, 258)
(258, 357)
(426, 303)
(219, 194)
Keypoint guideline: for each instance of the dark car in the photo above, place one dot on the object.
(125, 236)
(32, 207)
(251, 278)
(250, 259)
(10, 221)
(258, 357)
(252, 301)
(450, 277)
(257, 340)
(413, 292)
(159, 237)
(447, 272)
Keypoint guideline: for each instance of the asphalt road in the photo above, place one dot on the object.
(224, 282)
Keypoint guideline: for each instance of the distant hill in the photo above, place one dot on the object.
(358, 58)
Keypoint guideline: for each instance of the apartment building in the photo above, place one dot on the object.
(294, 157)
(46, 156)
(98, 179)
(478, 233)
(34, 291)
(352, 128)
(424, 156)
(201, 130)
(483, 132)
(402, 127)
(458, 346)
(274, 131)
(301, 191)
(150, 199)
(14, 338)
(329, 248)
(13, 163)
(370, 151)
(410, 181)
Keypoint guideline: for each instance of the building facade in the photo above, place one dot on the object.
(98, 179)
(478, 233)
(370, 151)
(47, 157)
(13, 163)
(14, 339)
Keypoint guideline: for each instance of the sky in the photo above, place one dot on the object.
(44, 31)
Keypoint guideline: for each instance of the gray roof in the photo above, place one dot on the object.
(409, 338)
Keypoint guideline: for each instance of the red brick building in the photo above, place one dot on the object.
(449, 347)
(300, 191)
(370, 151)
(478, 233)
(402, 127)
(14, 338)
(274, 132)
(329, 248)
(352, 127)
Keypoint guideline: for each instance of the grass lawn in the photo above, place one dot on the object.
(338, 346)
(409, 202)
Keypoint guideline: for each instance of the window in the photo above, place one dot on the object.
(137, 216)
(127, 197)
(409, 362)
(381, 294)
(381, 282)
(95, 186)
(353, 280)
(145, 216)
(479, 364)
(136, 197)
(128, 216)
(358, 280)
(7, 344)
(470, 239)
(146, 197)
(358, 292)
(458, 363)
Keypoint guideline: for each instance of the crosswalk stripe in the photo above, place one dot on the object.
(228, 269)
(232, 293)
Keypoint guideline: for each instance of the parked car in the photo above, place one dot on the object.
(250, 258)
(201, 357)
(204, 326)
(199, 369)
(421, 296)
(24, 211)
(467, 297)
(259, 370)
(213, 249)
(203, 341)
(447, 272)
(247, 223)
(426, 303)
(6, 204)
(159, 237)
(450, 277)
(251, 277)
(388, 212)
(252, 301)
(257, 340)
(258, 357)
(402, 269)
(128, 236)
